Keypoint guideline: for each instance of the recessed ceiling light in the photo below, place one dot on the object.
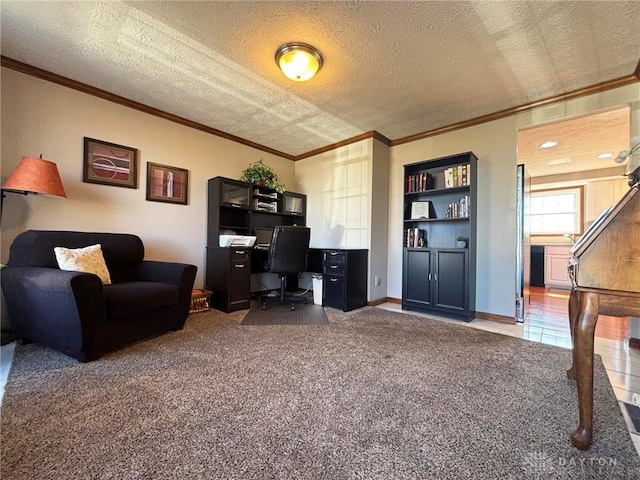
(605, 155)
(548, 144)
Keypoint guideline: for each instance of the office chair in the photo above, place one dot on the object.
(288, 256)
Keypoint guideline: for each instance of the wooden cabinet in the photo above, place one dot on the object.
(239, 207)
(556, 264)
(228, 276)
(601, 195)
(436, 279)
(344, 278)
(440, 205)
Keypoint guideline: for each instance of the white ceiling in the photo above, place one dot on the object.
(579, 142)
(400, 68)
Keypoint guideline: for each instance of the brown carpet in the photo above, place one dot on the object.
(371, 395)
(274, 314)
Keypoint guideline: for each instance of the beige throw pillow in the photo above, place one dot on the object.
(88, 259)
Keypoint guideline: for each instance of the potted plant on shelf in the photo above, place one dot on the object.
(461, 242)
(263, 175)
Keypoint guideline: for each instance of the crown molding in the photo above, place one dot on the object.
(581, 92)
(348, 141)
(82, 87)
(96, 92)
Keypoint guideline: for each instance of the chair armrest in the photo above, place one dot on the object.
(181, 274)
(54, 307)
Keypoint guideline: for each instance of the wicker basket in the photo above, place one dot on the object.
(200, 301)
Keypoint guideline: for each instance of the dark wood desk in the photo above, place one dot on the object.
(605, 273)
(344, 273)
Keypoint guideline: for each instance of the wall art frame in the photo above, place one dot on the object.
(108, 163)
(167, 184)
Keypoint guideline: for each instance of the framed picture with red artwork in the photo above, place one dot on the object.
(167, 184)
(109, 164)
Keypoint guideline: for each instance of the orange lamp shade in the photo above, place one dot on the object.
(35, 175)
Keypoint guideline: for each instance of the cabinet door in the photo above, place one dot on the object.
(450, 282)
(601, 195)
(239, 285)
(333, 293)
(556, 262)
(416, 284)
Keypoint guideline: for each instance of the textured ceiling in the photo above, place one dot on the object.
(579, 142)
(399, 68)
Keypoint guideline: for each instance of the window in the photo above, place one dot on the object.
(556, 212)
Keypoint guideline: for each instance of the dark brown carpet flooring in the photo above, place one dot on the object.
(275, 314)
(371, 395)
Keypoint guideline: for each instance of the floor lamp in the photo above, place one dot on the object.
(35, 176)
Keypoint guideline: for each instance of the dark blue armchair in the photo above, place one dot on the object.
(76, 314)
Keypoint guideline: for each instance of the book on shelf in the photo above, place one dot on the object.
(419, 182)
(415, 237)
(448, 178)
(458, 176)
(459, 209)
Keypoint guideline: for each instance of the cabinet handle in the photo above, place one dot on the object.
(333, 266)
(239, 265)
(429, 277)
(333, 279)
(239, 252)
(333, 253)
(435, 277)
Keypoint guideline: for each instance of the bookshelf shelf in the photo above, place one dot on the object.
(438, 191)
(434, 220)
(437, 276)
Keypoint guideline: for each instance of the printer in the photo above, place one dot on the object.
(246, 241)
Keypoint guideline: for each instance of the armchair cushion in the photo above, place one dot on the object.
(88, 260)
(130, 297)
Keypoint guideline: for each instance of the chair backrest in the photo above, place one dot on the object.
(121, 251)
(289, 247)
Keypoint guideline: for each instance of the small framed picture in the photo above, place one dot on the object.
(420, 210)
(109, 164)
(167, 184)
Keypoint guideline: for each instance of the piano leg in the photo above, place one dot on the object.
(573, 305)
(584, 320)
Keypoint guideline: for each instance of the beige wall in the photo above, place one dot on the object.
(379, 221)
(494, 144)
(40, 117)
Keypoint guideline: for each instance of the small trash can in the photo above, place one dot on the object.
(317, 289)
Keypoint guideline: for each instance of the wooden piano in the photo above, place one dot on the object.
(605, 274)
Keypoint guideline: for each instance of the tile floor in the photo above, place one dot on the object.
(546, 322)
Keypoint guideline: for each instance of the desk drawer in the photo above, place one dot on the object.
(329, 269)
(239, 255)
(334, 256)
(333, 293)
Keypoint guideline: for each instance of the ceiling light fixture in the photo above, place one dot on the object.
(298, 61)
(605, 155)
(548, 144)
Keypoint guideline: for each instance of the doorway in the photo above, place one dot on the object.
(573, 154)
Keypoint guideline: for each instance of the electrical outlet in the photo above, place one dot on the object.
(377, 281)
